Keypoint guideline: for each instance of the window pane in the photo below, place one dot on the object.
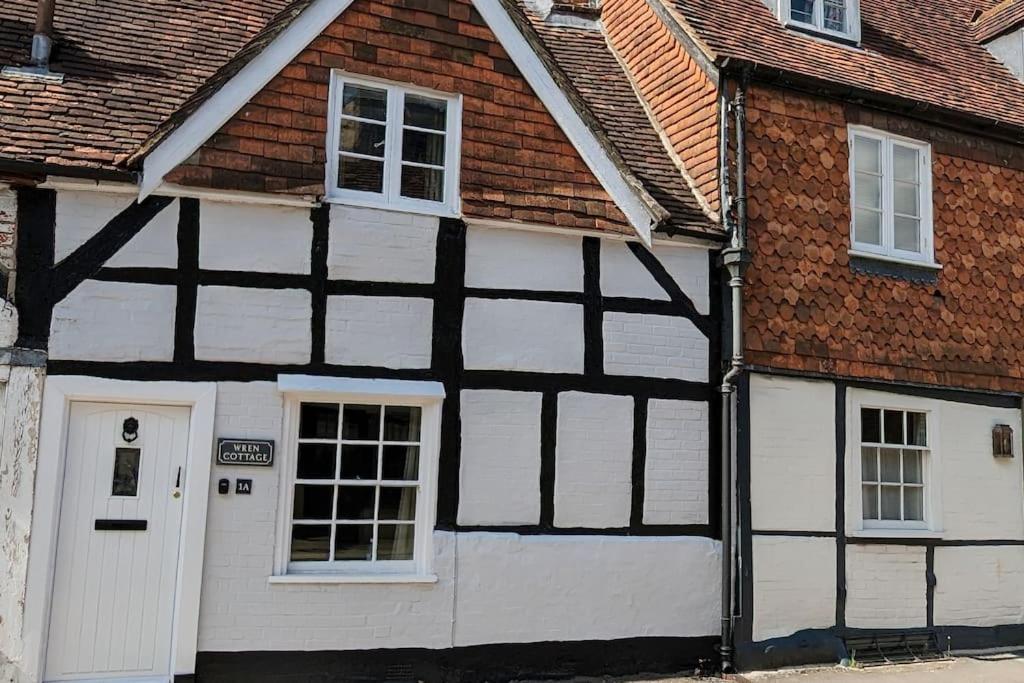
(395, 541)
(869, 191)
(353, 542)
(868, 226)
(907, 234)
(913, 504)
(356, 502)
(905, 163)
(423, 148)
(402, 423)
(316, 461)
(891, 503)
(397, 503)
(870, 502)
(869, 464)
(917, 429)
(366, 103)
(905, 198)
(867, 154)
(835, 15)
(425, 112)
(870, 425)
(802, 10)
(312, 502)
(401, 463)
(422, 183)
(126, 472)
(358, 462)
(361, 423)
(890, 459)
(362, 138)
(894, 426)
(364, 175)
(318, 421)
(311, 543)
(912, 467)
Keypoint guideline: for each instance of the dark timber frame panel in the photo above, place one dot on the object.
(38, 273)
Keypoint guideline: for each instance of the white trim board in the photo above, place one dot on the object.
(58, 394)
(642, 212)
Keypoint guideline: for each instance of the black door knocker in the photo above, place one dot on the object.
(130, 430)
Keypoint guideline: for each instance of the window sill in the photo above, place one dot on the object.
(896, 533)
(441, 210)
(313, 579)
(910, 263)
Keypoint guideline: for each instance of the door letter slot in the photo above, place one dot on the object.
(121, 525)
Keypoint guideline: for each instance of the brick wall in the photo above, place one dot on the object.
(516, 162)
(8, 220)
(680, 94)
(886, 586)
(808, 310)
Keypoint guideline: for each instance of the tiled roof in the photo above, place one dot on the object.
(923, 53)
(1003, 17)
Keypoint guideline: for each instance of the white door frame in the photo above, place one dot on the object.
(58, 394)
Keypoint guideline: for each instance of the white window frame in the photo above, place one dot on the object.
(391, 197)
(428, 396)
(887, 251)
(856, 525)
(784, 9)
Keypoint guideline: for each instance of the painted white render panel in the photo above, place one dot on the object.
(622, 274)
(792, 454)
(114, 321)
(256, 238)
(520, 259)
(80, 215)
(253, 325)
(557, 588)
(886, 586)
(593, 460)
(643, 345)
(1009, 49)
(981, 586)
(389, 332)
(794, 585)
(379, 245)
(676, 468)
(535, 336)
(499, 479)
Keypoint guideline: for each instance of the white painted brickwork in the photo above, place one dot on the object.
(499, 480)
(532, 336)
(254, 237)
(114, 321)
(80, 215)
(389, 332)
(253, 325)
(979, 586)
(593, 461)
(8, 223)
(519, 259)
(643, 345)
(622, 274)
(886, 586)
(676, 475)
(794, 585)
(380, 245)
(792, 454)
(558, 588)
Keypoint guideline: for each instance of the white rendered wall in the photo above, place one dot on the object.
(499, 480)
(794, 585)
(253, 325)
(676, 468)
(593, 460)
(645, 345)
(534, 336)
(378, 245)
(623, 275)
(886, 586)
(254, 238)
(80, 215)
(979, 586)
(520, 259)
(388, 332)
(1009, 49)
(792, 454)
(114, 321)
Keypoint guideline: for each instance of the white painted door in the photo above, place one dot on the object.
(112, 609)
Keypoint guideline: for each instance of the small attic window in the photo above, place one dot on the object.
(836, 18)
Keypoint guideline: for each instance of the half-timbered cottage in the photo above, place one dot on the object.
(379, 339)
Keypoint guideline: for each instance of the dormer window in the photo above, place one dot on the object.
(837, 18)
